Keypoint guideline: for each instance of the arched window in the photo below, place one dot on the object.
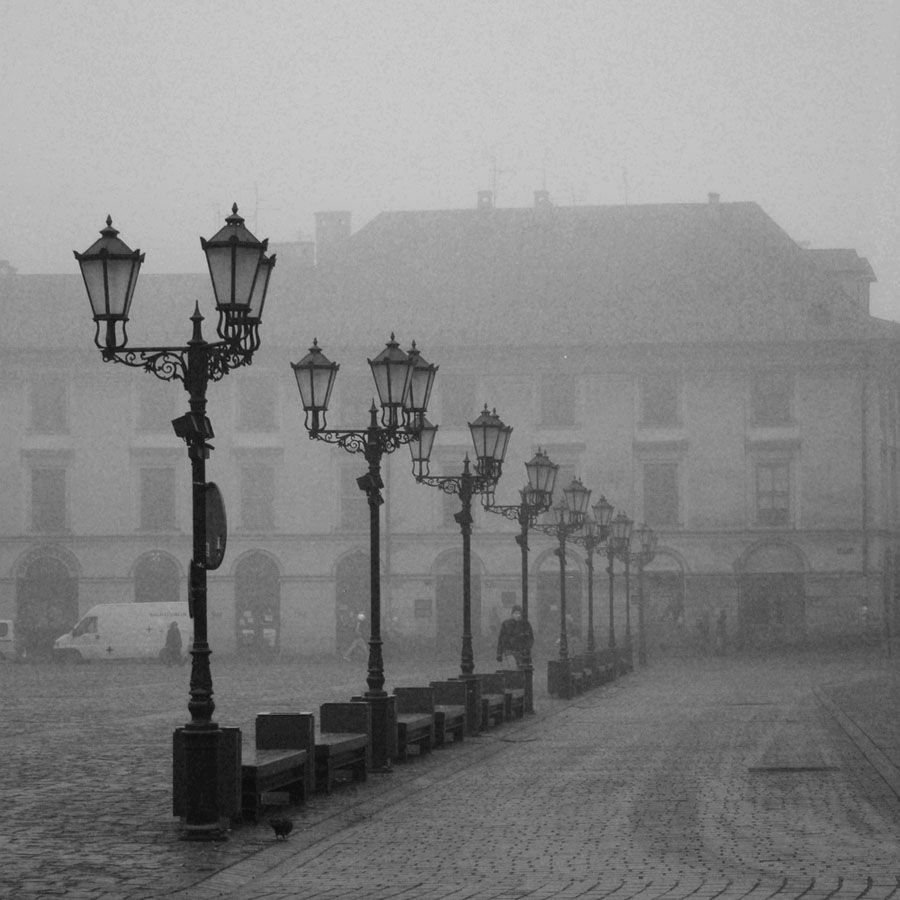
(157, 579)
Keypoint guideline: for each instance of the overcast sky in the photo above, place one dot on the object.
(162, 114)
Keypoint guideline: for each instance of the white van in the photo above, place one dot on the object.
(125, 631)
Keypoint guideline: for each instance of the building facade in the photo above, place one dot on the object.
(691, 362)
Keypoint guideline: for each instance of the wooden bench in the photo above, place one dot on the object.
(471, 700)
(514, 679)
(280, 762)
(342, 743)
(563, 680)
(415, 720)
(449, 711)
(606, 667)
(496, 704)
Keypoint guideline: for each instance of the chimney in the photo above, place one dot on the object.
(485, 199)
(332, 229)
(713, 206)
(542, 200)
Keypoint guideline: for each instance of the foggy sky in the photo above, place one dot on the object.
(164, 113)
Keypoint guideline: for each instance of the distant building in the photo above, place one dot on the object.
(690, 362)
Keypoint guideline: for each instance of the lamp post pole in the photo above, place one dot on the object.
(616, 544)
(490, 437)
(536, 497)
(647, 539)
(570, 515)
(595, 532)
(404, 382)
(240, 271)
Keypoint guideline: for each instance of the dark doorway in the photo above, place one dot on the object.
(47, 605)
(257, 588)
(449, 611)
(772, 609)
(548, 626)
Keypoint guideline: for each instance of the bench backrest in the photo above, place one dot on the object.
(514, 679)
(449, 693)
(491, 682)
(414, 699)
(345, 717)
(285, 731)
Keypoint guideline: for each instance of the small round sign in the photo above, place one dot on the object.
(216, 527)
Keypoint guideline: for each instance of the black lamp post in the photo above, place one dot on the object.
(594, 532)
(490, 437)
(569, 517)
(536, 498)
(404, 382)
(239, 270)
(619, 535)
(647, 539)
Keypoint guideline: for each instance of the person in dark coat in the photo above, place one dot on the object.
(172, 651)
(515, 639)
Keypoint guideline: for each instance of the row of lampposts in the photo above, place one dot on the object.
(240, 271)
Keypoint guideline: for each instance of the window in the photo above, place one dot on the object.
(257, 404)
(49, 406)
(659, 401)
(458, 403)
(156, 579)
(258, 498)
(661, 494)
(354, 512)
(770, 398)
(48, 499)
(557, 401)
(156, 406)
(157, 499)
(772, 493)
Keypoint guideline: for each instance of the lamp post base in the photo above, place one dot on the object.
(528, 672)
(206, 780)
(383, 736)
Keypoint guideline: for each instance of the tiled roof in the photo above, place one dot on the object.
(557, 276)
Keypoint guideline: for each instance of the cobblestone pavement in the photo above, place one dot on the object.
(705, 778)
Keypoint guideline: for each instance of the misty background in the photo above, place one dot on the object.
(163, 114)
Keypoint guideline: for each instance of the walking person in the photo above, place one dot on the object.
(516, 638)
(172, 650)
(358, 640)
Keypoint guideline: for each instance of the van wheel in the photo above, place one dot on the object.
(70, 657)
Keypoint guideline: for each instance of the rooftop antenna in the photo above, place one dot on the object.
(625, 183)
(495, 173)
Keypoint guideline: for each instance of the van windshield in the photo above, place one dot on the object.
(87, 625)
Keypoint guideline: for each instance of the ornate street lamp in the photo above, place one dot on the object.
(594, 533)
(617, 542)
(490, 437)
(403, 382)
(536, 498)
(647, 550)
(569, 516)
(239, 270)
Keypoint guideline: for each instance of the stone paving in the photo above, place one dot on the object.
(718, 777)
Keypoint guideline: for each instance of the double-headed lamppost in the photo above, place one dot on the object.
(239, 270)
(404, 382)
(594, 532)
(536, 498)
(619, 536)
(569, 516)
(647, 540)
(490, 437)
